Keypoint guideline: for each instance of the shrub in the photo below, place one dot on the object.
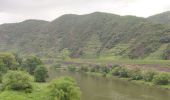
(17, 80)
(124, 72)
(161, 79)
(84, 68)
(115, 71)
(40, 73)
(96, 68)
(57, 66)
(105, 69)
(64, 88)
(135, 74)
(71, 68)
(148, 75)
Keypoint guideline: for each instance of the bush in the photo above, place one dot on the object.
(95, 68)
(105, 69)
(136, 74)
(115, 71)
(71, 68)
(17, 80)
(124, 72)
(161, 79)
(57, 66)
(40, 73)
(84, 68)
(64, 88)
(148, 75)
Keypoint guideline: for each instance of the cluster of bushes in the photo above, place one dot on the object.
(64, 88)
(158, 78)
(15, 71)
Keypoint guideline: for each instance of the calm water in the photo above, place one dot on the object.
(100, 88)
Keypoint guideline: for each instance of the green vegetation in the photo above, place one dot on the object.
(41, 74)
(72, 68)
(145, 75)
(31, 63)
(64, 54)
(161, 79)
(89, 36)
(64, 88)
(57, 65)
(17, 80)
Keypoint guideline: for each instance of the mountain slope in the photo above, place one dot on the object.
(162, 18)
(87, 35)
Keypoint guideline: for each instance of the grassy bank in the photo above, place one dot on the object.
(137, 75)
(39, 93)
(140, 82)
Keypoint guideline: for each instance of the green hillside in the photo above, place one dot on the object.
(91, 35)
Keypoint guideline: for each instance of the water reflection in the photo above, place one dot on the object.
(100, 88)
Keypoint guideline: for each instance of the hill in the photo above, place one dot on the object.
(90, 35)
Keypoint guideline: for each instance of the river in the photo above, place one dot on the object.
(100, 88)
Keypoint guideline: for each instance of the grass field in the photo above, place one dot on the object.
(39, 93)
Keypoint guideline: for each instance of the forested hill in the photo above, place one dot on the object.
(95, 34)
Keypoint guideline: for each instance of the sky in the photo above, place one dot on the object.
(19, 10)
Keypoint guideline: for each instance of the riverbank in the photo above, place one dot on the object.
(138, 75)
(139, 82)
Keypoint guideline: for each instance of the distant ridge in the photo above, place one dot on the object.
(95, 34)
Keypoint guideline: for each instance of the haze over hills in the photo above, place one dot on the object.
(95, 34)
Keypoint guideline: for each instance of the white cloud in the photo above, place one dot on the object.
(19, 10)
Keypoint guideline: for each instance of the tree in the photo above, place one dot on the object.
(17, 80)
(8, 60)
(65, 88)
(18, 58)
(40, 73)
(31, 64)
(64, 54)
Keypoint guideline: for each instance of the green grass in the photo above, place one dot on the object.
(121, 61)
(39, 93)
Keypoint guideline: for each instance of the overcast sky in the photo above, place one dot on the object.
(19, 10)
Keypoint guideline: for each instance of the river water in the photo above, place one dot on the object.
(100, 88)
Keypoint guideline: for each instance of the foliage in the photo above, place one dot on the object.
(31, 64)
(72, 68)
(115, 71)
(64, 54)
(58, 65)
(8, 60)
(40, 73)
(124, 72)
(148, 75)
(17, 80)
(105, 69)
(120, 71)
(161, 79)
(84, 68)
(136, 74)
(18, 58)
(64, 88)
